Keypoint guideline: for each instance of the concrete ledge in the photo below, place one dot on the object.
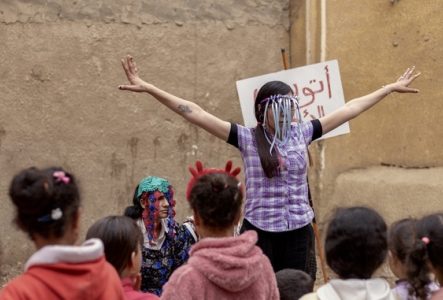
(394, 192)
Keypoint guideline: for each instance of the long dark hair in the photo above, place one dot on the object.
(121, 237)
(135, 210)
(431, 227)
(45, 200)
(428, 244)
(269, 161)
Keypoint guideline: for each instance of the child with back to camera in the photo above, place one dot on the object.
(166, 243)
(413, 275)
(47, 208)
(123, 243)
(293, 284)
(355, 246)
(428, 247)
(221, 266)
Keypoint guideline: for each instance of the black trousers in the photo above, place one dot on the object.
(293, 249)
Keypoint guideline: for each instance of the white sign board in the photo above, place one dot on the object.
(318, 87)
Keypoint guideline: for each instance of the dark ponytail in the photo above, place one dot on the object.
(269, 161)
(45, 200)
(134, 211)
(418, 270)
(430, 236)
(412, 254)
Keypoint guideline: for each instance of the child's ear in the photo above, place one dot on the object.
(19, 224)
(238, 217)
(75, 224)
(76, 218)
(132, 262)
(392, 258)
(197, 220)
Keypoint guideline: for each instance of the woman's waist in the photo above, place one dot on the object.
(272, 206)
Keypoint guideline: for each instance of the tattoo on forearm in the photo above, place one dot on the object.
(184, 109)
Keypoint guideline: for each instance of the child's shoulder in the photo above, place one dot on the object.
(24, 286)
(183, 282)
(437, 295)
(310, 296)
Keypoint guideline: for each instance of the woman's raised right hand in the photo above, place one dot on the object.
(136, 83)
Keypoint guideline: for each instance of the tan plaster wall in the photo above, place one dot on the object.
(392, 159)
(403, 130)
(60, 67)
(60, 105)
(373, 48)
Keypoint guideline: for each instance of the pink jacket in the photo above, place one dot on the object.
(224, 268)
(438, 295)
(132, 294)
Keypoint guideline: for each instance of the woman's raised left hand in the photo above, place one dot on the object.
(403, 82)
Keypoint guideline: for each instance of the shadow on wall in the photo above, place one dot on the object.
(2, 134)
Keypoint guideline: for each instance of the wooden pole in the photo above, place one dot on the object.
(284, 58)
(318, 240)
(314, 222)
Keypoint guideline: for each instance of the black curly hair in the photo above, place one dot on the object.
(356, 243)
(217, 198)
(37, 193)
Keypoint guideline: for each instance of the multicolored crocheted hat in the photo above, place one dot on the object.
(152, 184)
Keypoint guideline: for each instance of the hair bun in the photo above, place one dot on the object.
(43, 205)
(30, 190)
(133, 212)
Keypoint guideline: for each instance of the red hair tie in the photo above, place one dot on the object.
(199, 171)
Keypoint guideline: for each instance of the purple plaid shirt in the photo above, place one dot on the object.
(280, 203)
